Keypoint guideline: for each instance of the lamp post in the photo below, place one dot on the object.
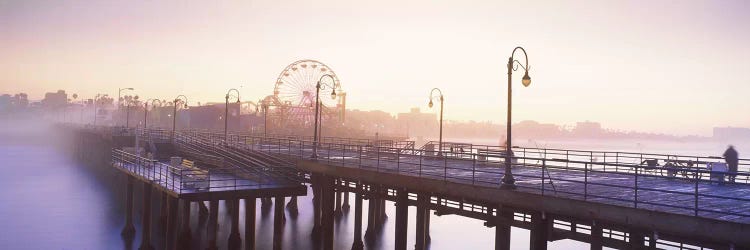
(508, 181)
(264, 106)
(176, 103)
(226, 112)
(318, 86)
(432, 96)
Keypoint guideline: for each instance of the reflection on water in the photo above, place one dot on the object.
(49, 201)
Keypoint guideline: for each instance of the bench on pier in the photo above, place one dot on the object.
(191, 175)
(685, 169)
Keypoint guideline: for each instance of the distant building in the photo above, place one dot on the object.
(55, 100)
(415, 123)
(371, 122)
(211, 117)
(588, 129)
(536, 130)
(731, 133)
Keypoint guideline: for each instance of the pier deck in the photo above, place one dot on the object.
(204, 183)
(621, 186)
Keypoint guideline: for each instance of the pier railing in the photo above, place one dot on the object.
(460, 150)
(238, 156)
(185, 179)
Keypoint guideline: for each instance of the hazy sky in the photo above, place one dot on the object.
(665, 66)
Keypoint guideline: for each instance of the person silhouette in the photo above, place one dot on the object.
(732, 158)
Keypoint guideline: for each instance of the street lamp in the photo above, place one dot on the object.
(145, 111)
(226, 111)
(432, 96)
(264, 105)
(176, 103)
(508, 182)
(318, 86)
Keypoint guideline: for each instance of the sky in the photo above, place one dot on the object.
(677, 67)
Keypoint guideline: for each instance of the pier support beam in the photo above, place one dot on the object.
(402, 219)
(234, 241)
(379, 210)
(371, 219)
(228, 204)
(427, 223)
(383, 192)
(146, 231)
(358, 244)
(652, 236)
(163, 210)
(317, 208)
(212, 226)
(171, 227)
(328, 213)
(185, 234)
(637, 239)
(278, 222)
(337, 209)
(202, 210)
(129, 229)
(292, 204)
(346, 206)
(502, 231)
(250, 223)
(376, 212)
(422, 213)
(265, 202)
(596, 235)
(540, 226)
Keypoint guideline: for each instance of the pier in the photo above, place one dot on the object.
(608, 199)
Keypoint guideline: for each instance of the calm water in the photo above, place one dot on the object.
(49, 201)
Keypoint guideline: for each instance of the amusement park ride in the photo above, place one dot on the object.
(291, 107)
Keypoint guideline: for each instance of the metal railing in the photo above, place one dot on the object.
(181, 179)
(239, 155)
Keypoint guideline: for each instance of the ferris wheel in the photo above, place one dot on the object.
(294, 90)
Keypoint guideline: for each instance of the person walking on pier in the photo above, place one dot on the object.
(732, 159)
